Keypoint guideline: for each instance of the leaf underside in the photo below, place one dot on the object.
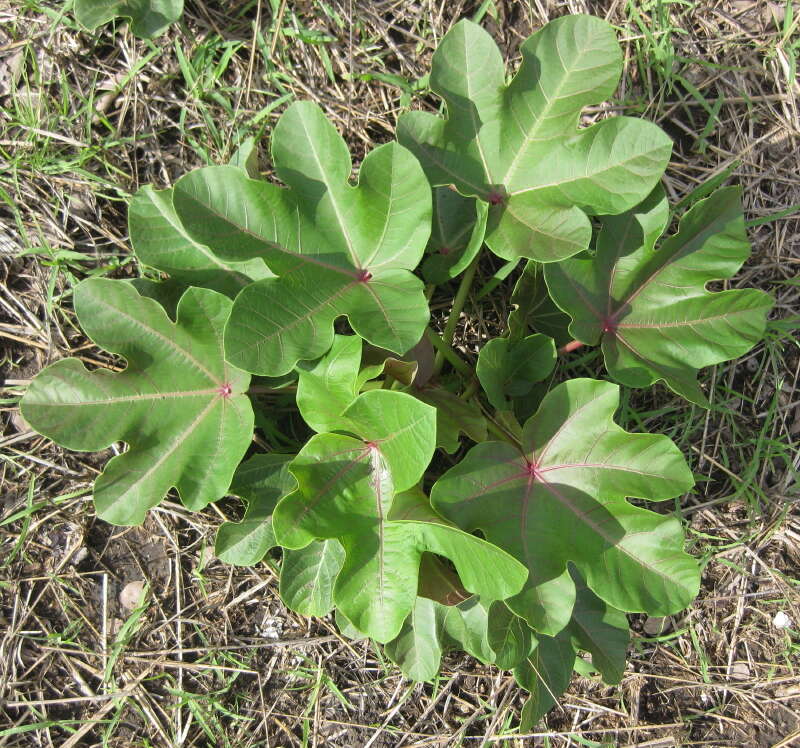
(517, 146)
(649, 307)
(181, 408)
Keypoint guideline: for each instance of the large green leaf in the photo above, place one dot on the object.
(148, 18)
(338, 249)
(181, 408)
(160, 241)
(650, 307)
(261, 481)
(517, 146)
(562, 498)
(350, 489)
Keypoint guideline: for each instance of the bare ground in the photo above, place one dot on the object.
(212, 657)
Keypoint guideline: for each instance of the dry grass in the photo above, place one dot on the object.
(211, 657)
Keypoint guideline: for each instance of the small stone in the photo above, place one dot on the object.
(271, 628)
(131, 595)
(656, 625)
(781, 620)
(740, 671)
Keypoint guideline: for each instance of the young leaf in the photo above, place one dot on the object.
(546, 673)
(509, 369)
(650, 308)
(308, 575)
(261, 481)
(517, 146)
(327, 386)
(562, 498)
(346, 489)
(179, 406)
(160, 241)
(338, 249)
(457, 230)
(148, 18)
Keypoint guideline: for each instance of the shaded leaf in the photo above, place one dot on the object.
(508, 369)
(535, 310)
(261, 481)
(454, 416)
(562, 499)
(337, 249)
(148, 18)
(601, 630)
(546, 673)
(327, 386)
(432, 629)
(308, 575)
(457, 230)
(517, 146)
(650, 308)
(181, 408)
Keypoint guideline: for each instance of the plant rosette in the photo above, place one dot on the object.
(431, 504)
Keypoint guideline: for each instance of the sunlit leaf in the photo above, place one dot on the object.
(562, 498)
(337, 249)
(181, 408)
(650, 308)
(517, 147)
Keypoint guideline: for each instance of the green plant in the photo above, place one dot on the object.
(148, 18)
(525, 550)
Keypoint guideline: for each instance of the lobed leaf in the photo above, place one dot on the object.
(337, 249)
(561, 498)
(517, 146)
(649, 308)
(181, 408)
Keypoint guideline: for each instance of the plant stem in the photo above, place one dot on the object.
(455, 313)
(471, 390)
(573, 345)
(449, 354)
